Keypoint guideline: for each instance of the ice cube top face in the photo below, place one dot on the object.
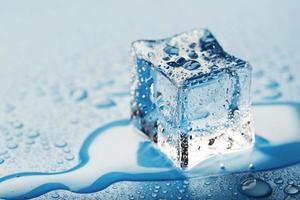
(191, 97)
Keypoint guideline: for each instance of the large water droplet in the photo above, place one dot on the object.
(255, 187)
(291, 189)
(290, 198)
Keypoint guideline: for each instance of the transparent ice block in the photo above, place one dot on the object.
(191, 97)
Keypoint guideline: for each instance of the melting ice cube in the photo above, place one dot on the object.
(191, 97)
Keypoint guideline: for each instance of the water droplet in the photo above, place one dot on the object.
(290, 198)
(171, 50)
(103, 102)
(203, 115)
(154, 195)
(173, 64)
(273, 96)
(3, 152)
(60, 144)
(193, 55)
(291, 189)
(278, 181)
(1, 161)
(180, 61)
(272, 84)
(17, 124)
(192, 45)
(55, 195)
(258, 73)
(251, 166)
(207, 183)
(33, 134)
(289, 77)
(222, 166)
(69, 157)
(30, 141)
(255, 187)
(78, 94)
(191, 65)
(67, 150)
(18, 133)
(12, 145)
(46, 147)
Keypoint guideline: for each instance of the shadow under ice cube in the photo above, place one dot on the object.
(191, 97)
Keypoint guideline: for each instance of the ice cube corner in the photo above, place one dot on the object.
(191, 97)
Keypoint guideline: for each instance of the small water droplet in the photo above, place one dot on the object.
(30, 141)
(12, 145)
(61, 144)
(258, 73)
(78, 94)
(3, 152)
(278, 181)
(289, 77)
(33, 134)
(1, 161)
(69, 157)
(191, 65)
(222, 166)
(103, 102)
(157, 187)
(207, 183)
(154, 195)
(17, 124)
(251, 166)
(55, 195)
(255, 187)
(193, 55)
(273, 95)
(272, 84)
(171, 50)
(67, 150)
(18, 133)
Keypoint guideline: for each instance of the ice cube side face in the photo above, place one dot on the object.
(191, 97)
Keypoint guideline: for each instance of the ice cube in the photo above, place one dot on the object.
(191, 97)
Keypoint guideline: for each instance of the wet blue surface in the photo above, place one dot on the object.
(64, 74)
